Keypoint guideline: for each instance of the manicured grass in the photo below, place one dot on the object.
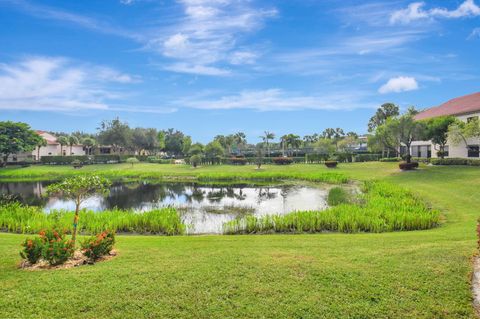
(418, 274)
(318, 173)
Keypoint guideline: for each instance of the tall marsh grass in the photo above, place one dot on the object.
(15, 217)
(382, 207)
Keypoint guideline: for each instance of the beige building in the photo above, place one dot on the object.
(464, 108)
(53, 148)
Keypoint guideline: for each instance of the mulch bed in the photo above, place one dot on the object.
(78, 260)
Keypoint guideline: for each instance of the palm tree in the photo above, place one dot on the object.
(89, 143)
(63, 141)
(240, 139)
(41, 143)
(72, 140)
(267, 137)
(284, 142)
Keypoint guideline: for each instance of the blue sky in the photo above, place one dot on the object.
(211, 67)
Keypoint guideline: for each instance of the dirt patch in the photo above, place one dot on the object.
(476, 284)
(78, 260)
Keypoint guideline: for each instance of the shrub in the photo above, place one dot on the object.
(51, 246)
(331, 164)
(98, 246)
(390, 159)
(27, 162)
(56, 248)
(282, 160)
(238, 160)
(64, 160)
(32, 250)
(106, 158)
(367, 157)
(408, 166)
(337, 196)
(455, 161)
(77, 164)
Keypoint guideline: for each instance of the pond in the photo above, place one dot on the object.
(203, 209)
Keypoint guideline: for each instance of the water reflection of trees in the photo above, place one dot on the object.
(26, 192)
(136, 195)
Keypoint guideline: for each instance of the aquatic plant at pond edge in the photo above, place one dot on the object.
(337, 196)
(18, 218)
(383, 207)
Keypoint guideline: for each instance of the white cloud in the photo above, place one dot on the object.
(196, 69)
(45, 83)
(208, 34)
(415, 11)
(127, 2)
(475, 34)
(278, 100)
(399, 84)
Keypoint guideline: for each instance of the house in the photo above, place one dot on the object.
(53, 148)
(464, 108)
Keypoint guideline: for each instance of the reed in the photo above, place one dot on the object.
(382, 207)
(18, 218)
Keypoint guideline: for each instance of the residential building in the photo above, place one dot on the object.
(464, 108)
(53, 148)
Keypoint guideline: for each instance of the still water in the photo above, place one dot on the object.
(203, 208)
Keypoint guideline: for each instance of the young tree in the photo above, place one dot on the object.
(79, 188)
(132, 160)
(63, 141)
(16, 138)
(437, 132)
(384, 112)
(406, 130)
(196, 149)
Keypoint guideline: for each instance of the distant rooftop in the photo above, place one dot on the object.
(460, 105)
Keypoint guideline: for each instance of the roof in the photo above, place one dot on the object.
(51, 140)
(460, 105)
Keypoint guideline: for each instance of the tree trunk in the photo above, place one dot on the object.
(71, 150)
(61, 149)
(38, 154)
(75, 222)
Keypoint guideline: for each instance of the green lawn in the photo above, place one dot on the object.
(421, 274)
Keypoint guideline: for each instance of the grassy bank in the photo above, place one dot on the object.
(308, 172)
(382, 207)
(417, 274)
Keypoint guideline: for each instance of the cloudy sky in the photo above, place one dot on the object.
(212, 67)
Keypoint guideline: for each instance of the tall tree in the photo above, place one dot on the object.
(16, 138)
(115, 133)
(41, 143)
(214, 151)
(72, 140)
(384, 112)
(267, 137)
(63, 141)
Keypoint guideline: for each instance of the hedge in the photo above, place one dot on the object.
(90, 159)
(455, 161)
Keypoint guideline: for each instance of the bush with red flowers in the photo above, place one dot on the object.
(98, 246)
(51, 246)
(331, 164)
(32, 250)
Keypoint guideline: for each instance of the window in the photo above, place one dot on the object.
(445, 151)
(472, 118)
(415, 151)
(473, 151)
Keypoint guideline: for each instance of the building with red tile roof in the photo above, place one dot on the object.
(458, 106)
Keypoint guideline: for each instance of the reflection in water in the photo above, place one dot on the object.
(204, 208)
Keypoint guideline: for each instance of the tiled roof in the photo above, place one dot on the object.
(460, 105)
(51, 140)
